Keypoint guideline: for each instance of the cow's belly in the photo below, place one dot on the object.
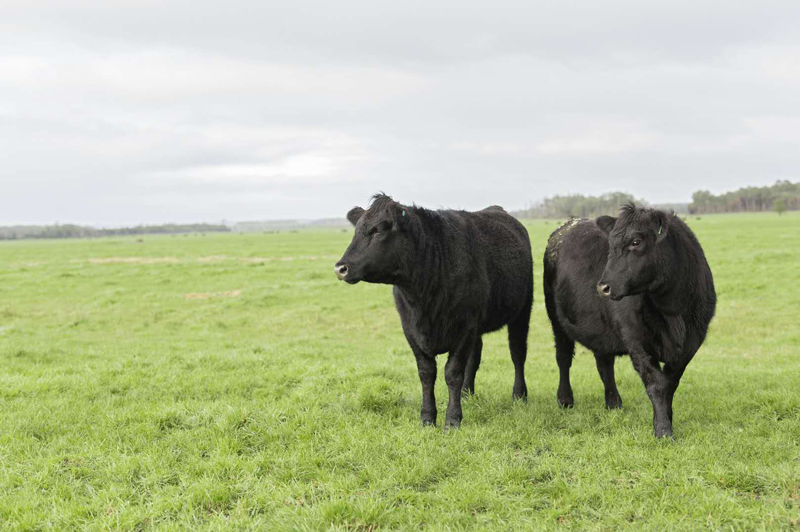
(593, 330)
(431, 345)
(433, 336)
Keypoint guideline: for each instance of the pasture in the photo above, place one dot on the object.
(229, 381)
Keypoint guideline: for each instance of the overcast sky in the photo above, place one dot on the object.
(116, 112)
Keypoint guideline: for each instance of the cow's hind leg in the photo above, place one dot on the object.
(473, 363)
(673, 372)
(565, 350)
(605, 367)
(518, 345)
(454, 377)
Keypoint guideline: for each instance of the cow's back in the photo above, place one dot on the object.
(485, 278)
(501, 251)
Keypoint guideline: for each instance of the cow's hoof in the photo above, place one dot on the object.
(566, 402)
(663, 433)
(520, 394)
(565, 398)
(614, 403)
(451, 428)
(452, 424)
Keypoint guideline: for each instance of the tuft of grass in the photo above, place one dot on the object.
(276, 397)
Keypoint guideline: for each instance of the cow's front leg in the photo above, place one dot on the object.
(454, 377)
(658, 390)
(426, 365)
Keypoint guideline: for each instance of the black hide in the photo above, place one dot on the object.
(636, 285)
(457, 275)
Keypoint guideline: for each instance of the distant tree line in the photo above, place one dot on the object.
(80, 231)
(578, 205)
(782, 196)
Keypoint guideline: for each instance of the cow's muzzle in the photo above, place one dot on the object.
(604, 289)
(340, 270)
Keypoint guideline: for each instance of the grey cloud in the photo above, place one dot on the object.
(121, 112)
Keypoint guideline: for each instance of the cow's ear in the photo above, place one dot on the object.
(661, 225)
(355, 215)
(605, 223)
(403, 216)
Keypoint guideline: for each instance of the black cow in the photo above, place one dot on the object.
(636, 285)
(456, 276)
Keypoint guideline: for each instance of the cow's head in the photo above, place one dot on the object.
(634, 241)
(381, 244)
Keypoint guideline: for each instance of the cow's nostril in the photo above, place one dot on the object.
(604, 289)
(340, 270)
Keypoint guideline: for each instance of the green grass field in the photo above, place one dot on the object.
(230, 381)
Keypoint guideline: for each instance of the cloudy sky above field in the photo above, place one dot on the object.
(115, 112)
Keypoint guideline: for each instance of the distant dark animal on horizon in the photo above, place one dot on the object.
(637, 285)
(456, 275)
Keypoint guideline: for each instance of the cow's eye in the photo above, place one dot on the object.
(378, 229)
(636, 243)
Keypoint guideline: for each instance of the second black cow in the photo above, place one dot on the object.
(457, 275)
(636, 285)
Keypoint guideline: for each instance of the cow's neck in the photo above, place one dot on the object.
(422, 286)
(674, 289)
(668, 302)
